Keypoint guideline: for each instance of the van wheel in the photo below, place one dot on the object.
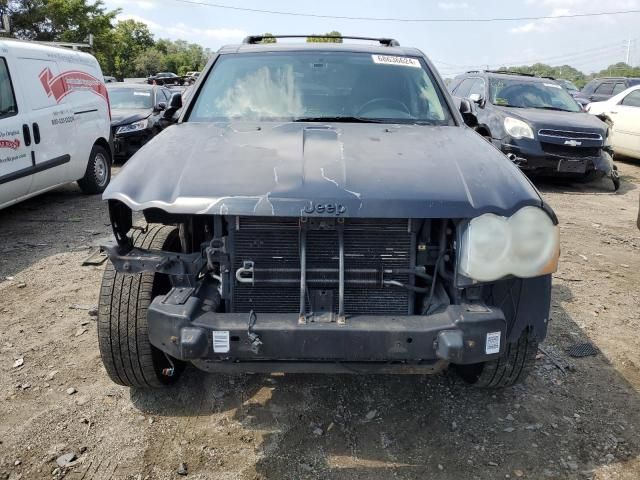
(512, 367)
(98, 173)
(126, 352)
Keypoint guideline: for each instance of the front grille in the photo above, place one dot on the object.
(569, 135)
(371, 246)
(567, 151)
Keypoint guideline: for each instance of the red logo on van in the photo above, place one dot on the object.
(12, 144)
(61, 85)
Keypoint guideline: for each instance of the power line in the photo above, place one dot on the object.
(408, 20)
(575, 57)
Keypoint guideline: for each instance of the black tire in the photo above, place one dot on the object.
(513, 367)
(98, 173)
(127, 355)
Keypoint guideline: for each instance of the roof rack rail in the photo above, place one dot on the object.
(473, 71)
(388, 42)
(510, 72)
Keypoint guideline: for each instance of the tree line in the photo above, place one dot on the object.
(123, 48)
(579, 78)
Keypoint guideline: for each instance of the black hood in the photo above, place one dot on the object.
(556, 120)
(128, 115)
(291, 169)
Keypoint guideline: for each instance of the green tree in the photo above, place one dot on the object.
(59, 20)
(268, 38)
(336, 37)
(181, 56)
(149, 62)
(64, 21)
(130, 39)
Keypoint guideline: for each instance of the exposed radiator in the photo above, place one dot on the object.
(371, 248)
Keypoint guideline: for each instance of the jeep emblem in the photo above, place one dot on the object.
(336, 209)
(573, 143)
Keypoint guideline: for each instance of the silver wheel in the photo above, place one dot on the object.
(98, 172)
(100, 169)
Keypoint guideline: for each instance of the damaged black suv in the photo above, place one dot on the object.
(321, 207)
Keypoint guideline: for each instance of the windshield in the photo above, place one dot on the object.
(317, 86)
(507, 92)
(130, 98)
(569, 85)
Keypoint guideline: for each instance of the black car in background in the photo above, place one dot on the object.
(165, 78)
(537, 124)
(600, 89)
(573, 91)
(138, 113)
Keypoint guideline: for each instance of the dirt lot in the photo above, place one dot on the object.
(574, 418)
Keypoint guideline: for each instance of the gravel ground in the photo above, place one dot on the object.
(573, 418)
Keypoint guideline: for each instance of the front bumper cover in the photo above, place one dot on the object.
(458, 334)
(531, 158)
(126, 144)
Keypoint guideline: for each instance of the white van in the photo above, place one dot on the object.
(54, 121)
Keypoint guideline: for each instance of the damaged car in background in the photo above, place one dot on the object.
(538, 125)
(138, 113)
(324, 208)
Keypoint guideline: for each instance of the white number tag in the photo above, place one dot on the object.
(396, 60)
(221, 341)
(493, 343)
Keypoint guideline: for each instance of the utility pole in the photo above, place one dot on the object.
(627, 58)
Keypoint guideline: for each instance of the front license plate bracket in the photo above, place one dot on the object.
(572, 166)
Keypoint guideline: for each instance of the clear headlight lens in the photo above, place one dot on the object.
(132, 127)
(517, 128)
(525, 245)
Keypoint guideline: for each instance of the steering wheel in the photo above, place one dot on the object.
(383, 100)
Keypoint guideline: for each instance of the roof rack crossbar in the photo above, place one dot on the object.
(388, 42)
(511, 72)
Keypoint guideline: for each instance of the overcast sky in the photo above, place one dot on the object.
(586, 43)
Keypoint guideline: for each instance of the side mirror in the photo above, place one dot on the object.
(176, 101)
(175, 104)
(468, 115)
(161, 106)
(477, 99)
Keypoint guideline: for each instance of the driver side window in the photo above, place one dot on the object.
(477, 87)
(632, 100)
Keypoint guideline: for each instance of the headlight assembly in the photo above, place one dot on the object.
(517, 128)
(132, 127)
(527, 244)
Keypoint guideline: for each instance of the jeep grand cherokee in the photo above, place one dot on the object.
(321, 207)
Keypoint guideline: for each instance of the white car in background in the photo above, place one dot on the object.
(622, 111)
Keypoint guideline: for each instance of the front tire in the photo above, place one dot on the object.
(98, 173)
(512, 367)
(123, 336)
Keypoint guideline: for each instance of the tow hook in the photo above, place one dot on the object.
(169, 371)
(254, 339)
(515, 159)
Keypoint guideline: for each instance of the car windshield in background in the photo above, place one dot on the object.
(507, 92)
(568, 85)
(130, 98)
(321, 86)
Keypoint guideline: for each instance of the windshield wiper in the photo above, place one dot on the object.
(555, 109)
(341, 119)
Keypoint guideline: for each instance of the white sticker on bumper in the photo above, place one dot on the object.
(493, 343)
(221, 341)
